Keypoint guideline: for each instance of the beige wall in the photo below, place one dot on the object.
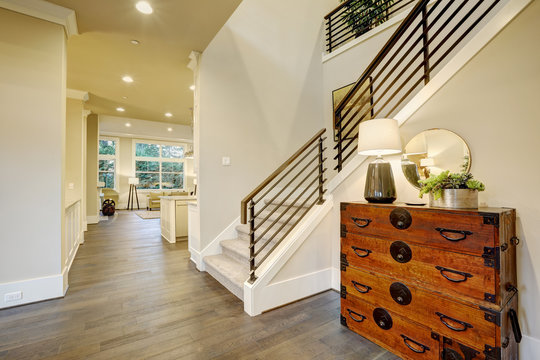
(74, 150)
(260, 100)
(32, 131)
(92, 134)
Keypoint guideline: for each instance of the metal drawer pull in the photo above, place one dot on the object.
(367, 252)
(463, 234)
(515, 325)
(356, 284)
(462, 323)
(362, 317)
(443, 270)
(361, 223)
(408, 340)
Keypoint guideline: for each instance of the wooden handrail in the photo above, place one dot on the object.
(339, 7)
(279, 170)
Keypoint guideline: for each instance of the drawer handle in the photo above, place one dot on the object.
(408, 340)
(462, 323)
(360, 319)
(357, 284)
(515, 325)
(366, 251)
(443, 270)
(361, 223)
(463, 233)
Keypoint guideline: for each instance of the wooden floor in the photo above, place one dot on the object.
(134, 296)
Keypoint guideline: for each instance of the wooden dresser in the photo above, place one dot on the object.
(431, 283)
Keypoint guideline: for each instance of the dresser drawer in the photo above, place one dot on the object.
(454, 231)
(456, 274)
(466, 323)
(405, 338)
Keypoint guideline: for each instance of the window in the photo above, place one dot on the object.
(159, 165)
(108, 161)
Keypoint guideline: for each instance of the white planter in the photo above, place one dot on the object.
(456, 199)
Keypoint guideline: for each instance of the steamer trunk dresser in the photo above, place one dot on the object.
(431, 283)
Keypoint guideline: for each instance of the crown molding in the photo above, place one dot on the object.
(77, 94)
(195, 59)
(46, 11)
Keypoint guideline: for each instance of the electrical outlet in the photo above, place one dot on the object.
(71, 186)
(14, 296)
(226, 161)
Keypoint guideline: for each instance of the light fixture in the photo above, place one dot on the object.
(192, 88)
(120, 109)
(135, 42)
(124, 97)
(169, 129)
(168, 114)
(379, 137)
(128, 125)
(144, 7)
(127, 78)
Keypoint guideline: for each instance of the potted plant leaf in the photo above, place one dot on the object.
(452, 190)
(364, 15)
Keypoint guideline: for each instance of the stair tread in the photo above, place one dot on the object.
(229, 268)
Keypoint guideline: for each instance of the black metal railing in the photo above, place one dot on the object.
(353, 18)
(424, 41)
(278, 204)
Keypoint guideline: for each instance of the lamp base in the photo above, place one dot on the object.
(380, 185)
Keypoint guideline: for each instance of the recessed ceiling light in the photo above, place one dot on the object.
(144, 7)
(135, 42)
(192, 88)
(120, 109)
(127, 78)
(124, 97)
(168, 114)
(169, 129)
(128, 125)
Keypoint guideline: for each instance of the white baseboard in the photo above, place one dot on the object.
(33, 290)
(336, 279)
(85, 226)
(93, 219)
(529, 348)
(214, 248)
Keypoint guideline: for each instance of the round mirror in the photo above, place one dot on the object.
(432, 152)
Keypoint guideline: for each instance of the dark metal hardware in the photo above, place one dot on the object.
(491, 352)
(468, 352)
(407, 340)
(505, 342)
(444, 270)
(451, 354)
(382, 318)
(511, 288)
(435, 336)
(504, 247)
(366, 251)
(400, 218)
(401, 252)
(343, 206)
(515, 325)
(361, 223)
(360, 317)
(463, 233)
(491, 316)
(343, 231)
(343, 258)
(514, 241)
(491, 219)
(357, 286)
(343, 320)
(400, 293)
(464, 325)
(492, 257)
(490, 297)
(343, 292)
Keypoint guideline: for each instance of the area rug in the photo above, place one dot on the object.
(149, 214)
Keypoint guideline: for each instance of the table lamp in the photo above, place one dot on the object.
(379, 137)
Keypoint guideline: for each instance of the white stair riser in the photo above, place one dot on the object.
(223, 280)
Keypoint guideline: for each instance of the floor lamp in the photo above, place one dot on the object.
(133, 182)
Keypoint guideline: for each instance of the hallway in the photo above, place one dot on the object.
(133, 296)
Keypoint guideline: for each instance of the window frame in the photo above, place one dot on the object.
(115, 157)
(160, 160)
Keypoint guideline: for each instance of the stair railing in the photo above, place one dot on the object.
(294, 187)
(353, 18)
(419, 47)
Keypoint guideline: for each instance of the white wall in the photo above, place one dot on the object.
(260, 100)
(32, 140)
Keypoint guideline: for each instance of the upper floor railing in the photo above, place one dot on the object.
(353, 18)
(425, 40)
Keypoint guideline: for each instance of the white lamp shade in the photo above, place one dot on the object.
(417, 145)
(379, 137)
(427, 162)
(101, 184)
(194, 181)
(133, 181)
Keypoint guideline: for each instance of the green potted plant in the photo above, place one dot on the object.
(364, 15)
(458, 190)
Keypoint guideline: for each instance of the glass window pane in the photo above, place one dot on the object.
(146, 150)
(146, 165)
(107, 147)
(172, 152)
(107, 178)
(172, 167)
(106, 165)
(148, 180)
(172, 181)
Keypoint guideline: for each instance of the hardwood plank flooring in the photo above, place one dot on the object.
(132, 295)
